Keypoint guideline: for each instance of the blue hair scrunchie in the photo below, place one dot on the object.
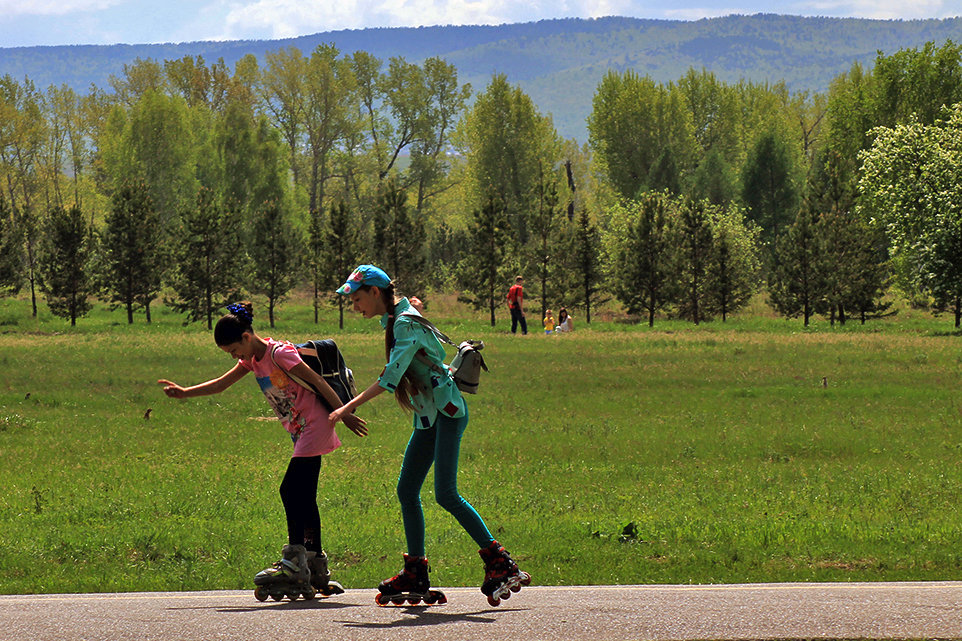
(241, 312)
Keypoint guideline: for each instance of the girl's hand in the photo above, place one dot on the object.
(356, 424)
(336, 415)
(171, 389)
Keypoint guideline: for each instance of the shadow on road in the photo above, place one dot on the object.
(429, 615)
(314, 604)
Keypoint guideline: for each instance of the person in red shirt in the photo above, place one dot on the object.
(516, 305)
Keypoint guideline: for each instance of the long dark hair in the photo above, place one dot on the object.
(407, 386)
(232, 325)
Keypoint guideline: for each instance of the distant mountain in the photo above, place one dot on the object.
(559, 63)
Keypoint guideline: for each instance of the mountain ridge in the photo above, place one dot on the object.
(559, 62)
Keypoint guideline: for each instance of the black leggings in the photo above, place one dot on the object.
(299, 494)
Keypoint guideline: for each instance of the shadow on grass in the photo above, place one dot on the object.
(944, 333)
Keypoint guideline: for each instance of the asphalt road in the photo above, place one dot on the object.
(761, 611)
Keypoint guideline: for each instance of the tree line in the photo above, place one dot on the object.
(196, 184)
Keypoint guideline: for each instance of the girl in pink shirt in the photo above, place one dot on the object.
(305, 417)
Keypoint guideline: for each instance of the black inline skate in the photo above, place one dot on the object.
(501, 574)
(411, 584)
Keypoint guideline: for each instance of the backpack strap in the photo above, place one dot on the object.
(439, 369)
(294, 377)
(421, 320)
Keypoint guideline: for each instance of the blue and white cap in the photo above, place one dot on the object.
(364, 275)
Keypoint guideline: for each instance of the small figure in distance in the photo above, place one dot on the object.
(516, 306)
(549, 322)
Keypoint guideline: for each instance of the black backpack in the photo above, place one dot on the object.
(326, 359)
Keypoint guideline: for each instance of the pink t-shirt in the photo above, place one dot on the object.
(298, 408)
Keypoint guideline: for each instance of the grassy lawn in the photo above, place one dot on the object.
(747, 451)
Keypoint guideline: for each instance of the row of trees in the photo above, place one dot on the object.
(195, 183)
(830, 180)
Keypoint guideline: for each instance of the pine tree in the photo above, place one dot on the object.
(587, 260)
(210, 259)
(733, 264)
(858, 271)
(11, 252)
(695, 234)
(64, 256)
(481, 271)
(131, 252)
(276, 252)
(544, 249)
(768, 188)
(798, 284)
(399, 238)
(337, 248)
(644, 273)
(713, 180)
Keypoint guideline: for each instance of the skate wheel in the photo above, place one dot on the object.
(442, 599)
(309, 594)
(525, 578)
(380, 599)
(414, 600)
(277, 596)
(516, 587)
(506, 595)
(261, 594)
(494, 601)
(430, 599)
(397, 601)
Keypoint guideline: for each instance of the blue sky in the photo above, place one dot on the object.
(56, 22)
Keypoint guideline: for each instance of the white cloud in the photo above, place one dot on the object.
(10, 8)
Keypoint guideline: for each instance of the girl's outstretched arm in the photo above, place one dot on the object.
(362, 398)
(213, 386)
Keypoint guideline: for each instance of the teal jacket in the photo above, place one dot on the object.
(435, 392)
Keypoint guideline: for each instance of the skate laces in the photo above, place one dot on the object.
(498, 563)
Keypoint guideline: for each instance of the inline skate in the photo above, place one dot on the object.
(321, 575)
(501, 574)
(290, 577)
(411, 584)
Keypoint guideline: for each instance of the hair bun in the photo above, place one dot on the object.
(243, 311)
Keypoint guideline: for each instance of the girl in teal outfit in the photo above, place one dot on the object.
(440, 418)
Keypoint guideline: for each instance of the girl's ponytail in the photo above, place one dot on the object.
(406, 387)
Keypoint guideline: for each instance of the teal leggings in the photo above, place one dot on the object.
(439, 445)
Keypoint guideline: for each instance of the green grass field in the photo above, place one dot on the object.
(616, 454)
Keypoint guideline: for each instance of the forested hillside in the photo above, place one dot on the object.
(559, 63)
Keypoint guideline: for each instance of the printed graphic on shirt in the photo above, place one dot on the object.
(279, 391)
